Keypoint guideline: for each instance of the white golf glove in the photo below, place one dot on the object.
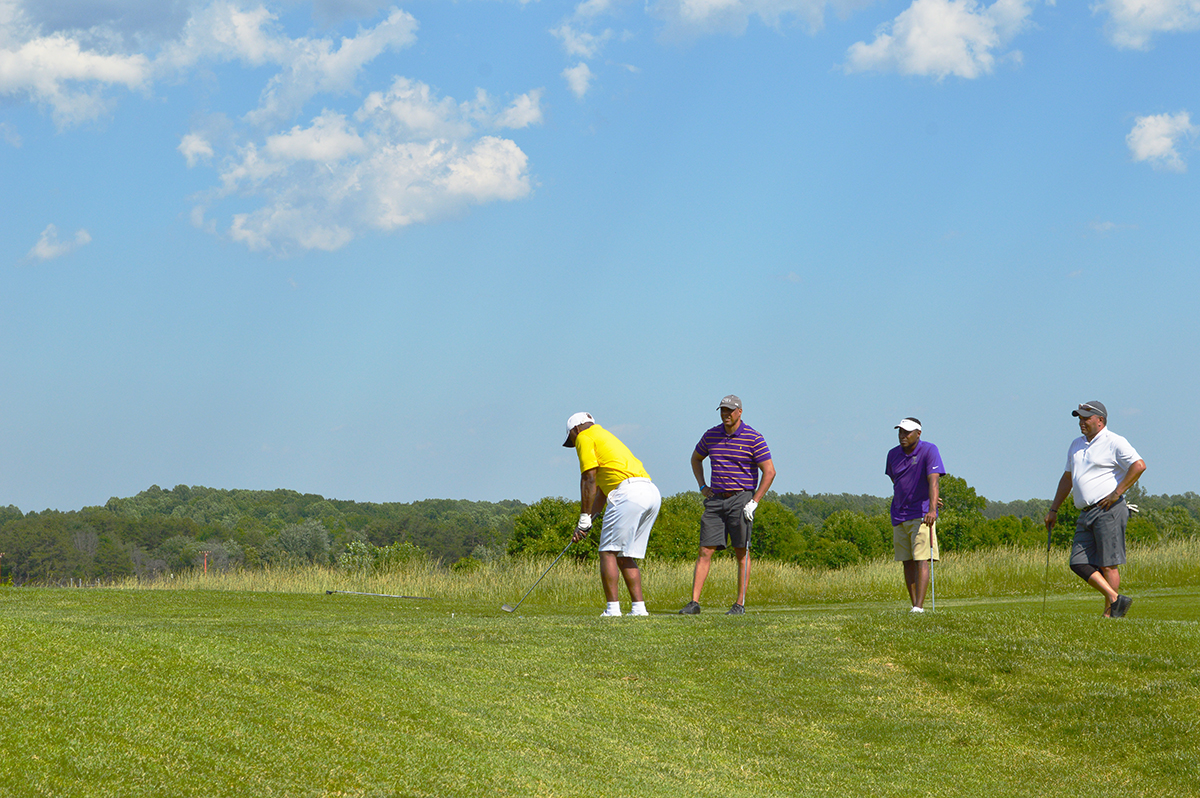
(749, 509)
(585, 522)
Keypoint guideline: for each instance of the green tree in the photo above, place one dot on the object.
(676, 534)
(307, 541)
(545, 526)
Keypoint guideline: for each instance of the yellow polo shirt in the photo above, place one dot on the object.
(600, 449)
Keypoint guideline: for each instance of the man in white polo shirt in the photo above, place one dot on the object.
(1101, 467)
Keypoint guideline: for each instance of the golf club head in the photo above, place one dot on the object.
(328, 592)
(507, 608)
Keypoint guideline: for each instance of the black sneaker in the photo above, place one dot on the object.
(1120, 606)
(692, 608)
(736, 609)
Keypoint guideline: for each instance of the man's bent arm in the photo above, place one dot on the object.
(698, 469)
(767, 467)
(1131, 476)
(931, 515)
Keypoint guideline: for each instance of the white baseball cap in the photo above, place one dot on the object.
(908, 425)
(574, 421)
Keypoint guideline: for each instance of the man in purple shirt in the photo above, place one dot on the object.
(914, 467)
(737, 454)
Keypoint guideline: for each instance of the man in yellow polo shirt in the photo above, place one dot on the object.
(611, 475)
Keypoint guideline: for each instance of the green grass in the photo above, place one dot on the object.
(217, 690)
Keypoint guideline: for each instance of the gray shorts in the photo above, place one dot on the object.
(723, 523)
(1100, 537)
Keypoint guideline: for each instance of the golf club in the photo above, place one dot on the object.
(508, 608)
(1046, 574)
(381, 595)
(932, 586)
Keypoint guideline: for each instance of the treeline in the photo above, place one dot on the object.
(161, 531)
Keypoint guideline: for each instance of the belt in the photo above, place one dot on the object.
(728, 494)
(1094, 505)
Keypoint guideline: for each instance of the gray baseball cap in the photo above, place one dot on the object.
(731, 402)
(1089, 409)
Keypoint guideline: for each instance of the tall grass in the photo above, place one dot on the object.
(996, 572)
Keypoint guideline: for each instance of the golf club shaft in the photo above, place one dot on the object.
(382, 595)
(543, 576)
(1046, 574)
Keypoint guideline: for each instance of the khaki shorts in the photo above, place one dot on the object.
(911, 541)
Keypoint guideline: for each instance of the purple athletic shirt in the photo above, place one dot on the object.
(910, 480)
(735, 457)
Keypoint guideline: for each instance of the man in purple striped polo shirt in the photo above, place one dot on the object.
(736, 453)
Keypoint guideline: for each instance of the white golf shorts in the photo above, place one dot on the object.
(629, 517)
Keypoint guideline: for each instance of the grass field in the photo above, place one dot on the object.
(218, 688)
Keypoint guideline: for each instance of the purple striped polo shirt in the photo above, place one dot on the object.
(735, 457)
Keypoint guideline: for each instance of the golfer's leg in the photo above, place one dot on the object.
(922, 583)
(703, 563)
(632, 576)
(910, 580)
(1099, 580)
(743, 564)
(610, 576)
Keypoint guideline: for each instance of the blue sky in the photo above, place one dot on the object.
(382, 252)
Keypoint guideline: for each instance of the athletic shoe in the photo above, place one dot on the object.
(639, 611)
(736, 609)
(692, 608)
(607, 614)
(917, 609)
(1120, 606)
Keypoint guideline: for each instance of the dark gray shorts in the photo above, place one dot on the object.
(1100, 537)
(723, 523)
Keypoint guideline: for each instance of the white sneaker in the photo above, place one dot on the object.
(917, 609)
(639, 611)
(610, 614)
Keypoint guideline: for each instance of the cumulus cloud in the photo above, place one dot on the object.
(55, 71)
(407, 156)
(195, 148)
(579, 79)
(1132, 24)
(579, 43)
(308, 66)
(936, 38)
(49, 246)
(1156, 139)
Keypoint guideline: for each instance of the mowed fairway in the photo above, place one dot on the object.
(221, 693)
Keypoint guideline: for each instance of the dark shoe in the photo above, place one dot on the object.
(736, 609)
(1120, 607)
(692, 608)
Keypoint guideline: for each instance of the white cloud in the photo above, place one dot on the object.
(1133, 23)
(195, 148)
(304, 179)
(411, 157)
(1155, 139)
(580, 44)
(328, 139)
(55, 71)
(937, 38)
(49, 247)
(524, 111)
(579, 79)
(308, 66)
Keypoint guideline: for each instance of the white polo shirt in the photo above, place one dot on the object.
(1097, 467)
